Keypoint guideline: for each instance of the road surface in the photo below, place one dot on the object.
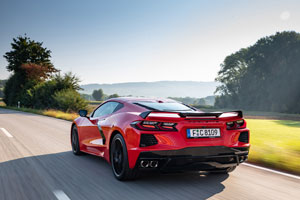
(36, 162)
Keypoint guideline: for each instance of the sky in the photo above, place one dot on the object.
(143, 40)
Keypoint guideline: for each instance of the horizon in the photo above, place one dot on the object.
(120, 42)
(147, 82)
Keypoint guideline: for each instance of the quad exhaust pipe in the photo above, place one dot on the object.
(149, 164)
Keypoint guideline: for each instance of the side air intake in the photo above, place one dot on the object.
(244, 137)
(148, 140)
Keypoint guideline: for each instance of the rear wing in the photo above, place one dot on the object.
(237, 113)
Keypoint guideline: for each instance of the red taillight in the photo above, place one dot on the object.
(153, 125)
(239, 124)
(149, 124)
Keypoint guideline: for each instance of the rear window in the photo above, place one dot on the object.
(166, 106)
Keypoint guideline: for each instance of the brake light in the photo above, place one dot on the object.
(149, 124)
(153, 125)
(239, 124)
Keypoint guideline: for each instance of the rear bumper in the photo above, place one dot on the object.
(193, 158)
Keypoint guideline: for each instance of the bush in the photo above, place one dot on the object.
(1, 93)
(69, 100)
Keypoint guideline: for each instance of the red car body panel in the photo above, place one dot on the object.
(91, 138)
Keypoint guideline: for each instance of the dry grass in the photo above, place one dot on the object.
(51, 113)
(60, 115)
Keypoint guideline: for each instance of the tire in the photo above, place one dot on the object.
(225, 171)
(119, 160)
(75, 141)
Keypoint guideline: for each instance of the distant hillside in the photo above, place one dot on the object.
(156, 89)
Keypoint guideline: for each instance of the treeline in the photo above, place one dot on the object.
(35, 82)
(209, 100)
(98, 95)
(2, 84)
(263, 77)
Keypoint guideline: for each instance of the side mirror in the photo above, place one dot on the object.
(82, 113)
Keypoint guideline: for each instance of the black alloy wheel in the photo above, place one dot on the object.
(119, 160)
(75, 141)
(118, 157)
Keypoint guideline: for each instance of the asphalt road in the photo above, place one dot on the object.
(36, 162)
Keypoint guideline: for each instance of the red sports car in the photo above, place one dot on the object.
(137, 134)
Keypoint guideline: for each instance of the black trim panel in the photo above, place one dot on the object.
(197, 158)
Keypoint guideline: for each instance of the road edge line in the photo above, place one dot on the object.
(271, 170)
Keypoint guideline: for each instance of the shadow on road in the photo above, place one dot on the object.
(89, 177)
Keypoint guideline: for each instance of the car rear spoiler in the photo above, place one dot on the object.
(237, 113)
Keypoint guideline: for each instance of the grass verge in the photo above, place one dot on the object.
(50, 113)
(275, 144)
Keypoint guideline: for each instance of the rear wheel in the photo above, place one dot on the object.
(75, 141)
(119, 160)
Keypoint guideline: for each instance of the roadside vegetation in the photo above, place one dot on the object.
(98, 95)
(263, 77)
(2, 84)
(275, 144)
(50, 113)
(35, 83)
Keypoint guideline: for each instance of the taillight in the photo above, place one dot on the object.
(153, 125)
(240, 123)
(236, 124)
(149, 124)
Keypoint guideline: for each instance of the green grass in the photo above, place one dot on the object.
(258, 114)
(275, 144)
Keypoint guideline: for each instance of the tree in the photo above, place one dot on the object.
(98, 95)
(35, 82)
(24, 50)
(2, 83)
(38, 72)
(113, 96)
(264, 76)
(30, 63)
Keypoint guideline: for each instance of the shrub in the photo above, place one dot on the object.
(69, 100)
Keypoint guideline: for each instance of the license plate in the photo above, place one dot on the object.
(203, 133)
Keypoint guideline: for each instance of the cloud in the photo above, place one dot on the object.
(285, 15)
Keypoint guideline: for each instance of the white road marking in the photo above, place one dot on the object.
(60, 195)
(271, 170)
(6, 132)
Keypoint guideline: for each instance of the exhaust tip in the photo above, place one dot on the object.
(153, 164)
(144, 163)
